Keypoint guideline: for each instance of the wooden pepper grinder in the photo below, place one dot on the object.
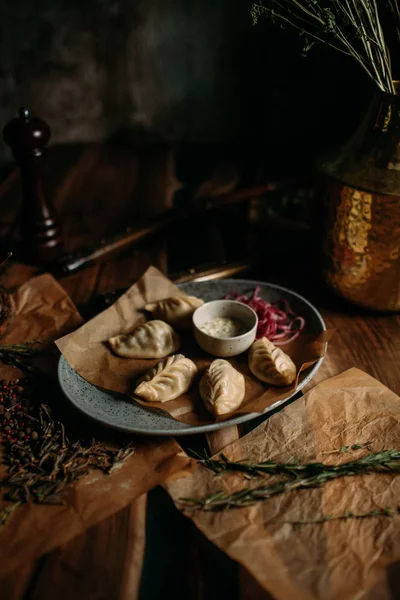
(41, 236)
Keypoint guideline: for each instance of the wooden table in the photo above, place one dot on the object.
(97, 189)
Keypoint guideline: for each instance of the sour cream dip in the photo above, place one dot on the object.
(224, 327)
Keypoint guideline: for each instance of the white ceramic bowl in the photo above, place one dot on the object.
(226, 346)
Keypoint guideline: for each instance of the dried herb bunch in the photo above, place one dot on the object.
(41, 460)
(353, 27)
(301, 476)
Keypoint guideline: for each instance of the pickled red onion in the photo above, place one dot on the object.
(276, 321)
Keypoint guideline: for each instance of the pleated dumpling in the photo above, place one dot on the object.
(169, 378)
(154, 339)
(222, 388)
(270, 364)
(175, 310)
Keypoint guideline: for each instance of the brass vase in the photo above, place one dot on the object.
(361, 217)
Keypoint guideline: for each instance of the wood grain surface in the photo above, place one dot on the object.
(96, 190)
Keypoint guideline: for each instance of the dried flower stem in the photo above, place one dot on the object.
(351, 26)
(395, 8)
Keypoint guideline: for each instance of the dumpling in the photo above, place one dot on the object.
(154, 339)
(167, 380)
(176, 310)
(222, 388)
(270, 364)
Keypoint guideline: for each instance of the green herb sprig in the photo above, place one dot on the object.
(310, 475)
(289, 468)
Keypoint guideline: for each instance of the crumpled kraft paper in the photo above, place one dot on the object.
(88, 353)
(44, 310)
(347, 560)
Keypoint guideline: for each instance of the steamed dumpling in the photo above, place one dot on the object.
(167, 380)
(222, 388)
(176, 310)
(154, 339)
(270, 364)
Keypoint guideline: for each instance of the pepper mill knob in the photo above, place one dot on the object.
(41, 235)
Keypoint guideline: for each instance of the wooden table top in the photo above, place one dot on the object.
(97, 189)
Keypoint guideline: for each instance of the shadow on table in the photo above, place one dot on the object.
(180, 563)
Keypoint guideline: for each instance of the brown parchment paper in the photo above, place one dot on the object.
(346, 560)
(44, 310)
(88, 353)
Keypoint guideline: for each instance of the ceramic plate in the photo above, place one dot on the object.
(116, 411)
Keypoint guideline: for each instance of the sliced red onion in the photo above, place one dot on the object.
(279, 325)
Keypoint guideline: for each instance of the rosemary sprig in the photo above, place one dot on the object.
(269, 467)
(362, 446)
(384, 512)
(311, 475)
(352, 27)
(18, 355)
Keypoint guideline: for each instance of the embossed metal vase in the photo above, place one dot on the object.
(361, 258)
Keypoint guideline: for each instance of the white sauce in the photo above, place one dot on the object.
(224, 327)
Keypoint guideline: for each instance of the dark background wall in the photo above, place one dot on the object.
(176, 70)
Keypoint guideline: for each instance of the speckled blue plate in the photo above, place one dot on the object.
(116, 411)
